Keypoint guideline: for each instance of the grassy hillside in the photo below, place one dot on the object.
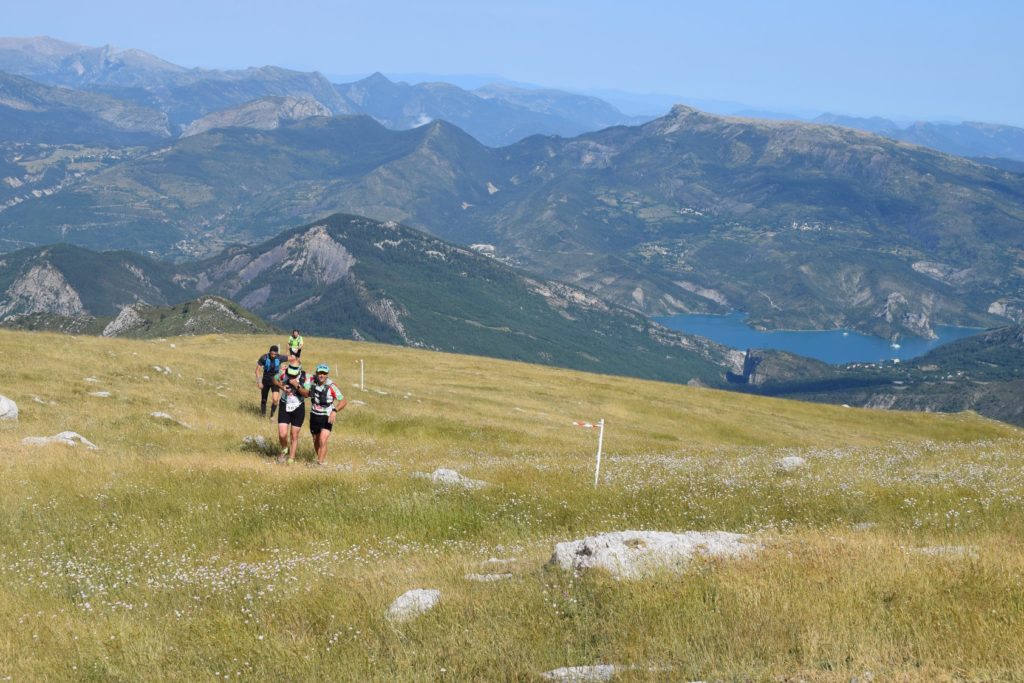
(174, 554)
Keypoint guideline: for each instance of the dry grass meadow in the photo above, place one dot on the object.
(174, 554)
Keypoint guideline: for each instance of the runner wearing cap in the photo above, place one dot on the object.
(325, 402)
(294, 385)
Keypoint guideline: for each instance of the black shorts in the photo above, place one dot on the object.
(294, 418)
(297, 353)
(317, 423)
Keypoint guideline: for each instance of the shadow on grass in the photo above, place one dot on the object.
(250, 408)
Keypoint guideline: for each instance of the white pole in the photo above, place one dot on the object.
(362, 386)
(600, 441)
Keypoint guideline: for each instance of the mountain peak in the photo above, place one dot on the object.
(682, 111)
(377, 78)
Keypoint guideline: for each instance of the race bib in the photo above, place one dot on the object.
(292, 402)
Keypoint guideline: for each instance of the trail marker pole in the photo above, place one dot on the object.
(362, 386)
(600, 443)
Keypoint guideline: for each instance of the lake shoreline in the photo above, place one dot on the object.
(836, 347)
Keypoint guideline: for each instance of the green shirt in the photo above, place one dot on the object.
(294, 342)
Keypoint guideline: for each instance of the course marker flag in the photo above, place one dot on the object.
(600, 441)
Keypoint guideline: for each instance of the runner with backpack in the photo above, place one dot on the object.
(267, 368)
(294, 385)
(325, 401)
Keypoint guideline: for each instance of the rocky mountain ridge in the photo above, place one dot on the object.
(266, 113)
(351, 277)
(690, 212)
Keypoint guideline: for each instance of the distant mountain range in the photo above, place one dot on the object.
(800, 225)
(355, 278)
(987, 142)
(496, 115)
(35, 113)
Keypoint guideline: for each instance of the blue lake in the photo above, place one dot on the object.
(831, 346)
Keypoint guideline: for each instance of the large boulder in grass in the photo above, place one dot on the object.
(412, 604)
(633, 554)
(8, 409)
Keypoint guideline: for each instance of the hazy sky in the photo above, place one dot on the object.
(933, 59)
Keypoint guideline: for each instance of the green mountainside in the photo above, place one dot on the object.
(205, 315)
(354, 278)
(68, 280)
(35, 113)
(983, 373)
(800, 225)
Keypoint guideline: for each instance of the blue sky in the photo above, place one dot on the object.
(935, 60)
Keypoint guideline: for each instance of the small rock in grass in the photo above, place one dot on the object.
(258, 444)
(632, 554)
(946, 551)
(91, 380)
(356, 402)
(790, 463)
(66, 438)
(8, 409)
(487, 578)
(449, 477)
(582, 674)
(100, 394)
(413, 603)
(168, 418)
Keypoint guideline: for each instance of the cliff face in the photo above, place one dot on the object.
(43, 289)
(266, 113)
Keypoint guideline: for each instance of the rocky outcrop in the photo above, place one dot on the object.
(317, 258)
(1012, 309)
(42, 289)
(127, 320)
(8, 409)
(266, 113)
(899, 313)
(761, 366)
(634, 554)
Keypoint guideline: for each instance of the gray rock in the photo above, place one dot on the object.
(65, 438)
(448, 477)
(100, 394)
(127, 319)
(413, 603)
(8, 409)
(168, 418)
(633, 554)
(487, 578)
(258, 444)
(582, 674)
(790, 463)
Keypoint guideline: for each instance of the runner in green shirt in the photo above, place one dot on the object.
(295, 344)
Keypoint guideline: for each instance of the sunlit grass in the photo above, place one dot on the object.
(174, 554)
